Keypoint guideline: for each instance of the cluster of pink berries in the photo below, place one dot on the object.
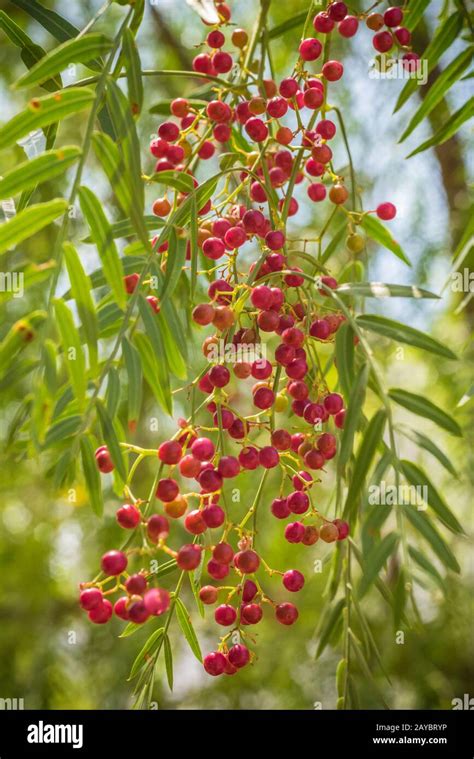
(270, 299)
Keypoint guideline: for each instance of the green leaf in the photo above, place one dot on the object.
(81, 292)
(135, 379)
(29, 221)
(44, 111)
(148, 647)
(129, 147)
(335, 241)
(178, 180)
(134, 71)
(424, 407)
(354, 410)
(80, 50)
(366, 669)
(91, 476)
(448, 129)
(30, 52)
(425, 442)
(43, 168)
(168, 661)
(59, 27)
(102, 236)
(187, 628)
(130, 629)
(438, 90)
(417, 477)
(328, 623)
(376, 560)
(402, 333)
(345, 357)
(72, 350)
(167, 568)
(423, 525)
(125, 228)
(111, 439)
(416, 8)
(33, 275)
(62, 430)
(155, 371)
(443, 38)
(382, 290)
(173, 354)
(365, 454)
(287, 25)
(176, 259)
(427, 566)
(378, 232)
(112, 395)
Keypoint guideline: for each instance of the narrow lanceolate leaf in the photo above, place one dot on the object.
(425, 442)
(80, 50)
(19, 337)
(81, 292)
(91, 476)
(155, 371)
(29, 221)
(56, 25)
(135, 379)
(376, 560)
(286, 26)
(448, 129)
(345, 357)
(128, 143)
(31, 276)
(45, 167)
(416, 8)
(176, 258)
(148, 647)
(402, 333)
(72, 350)
(383, 290)
(176, 179)
(354, 409)
(187, 628)
(111, 439)
(438, 90)
(427, 566)
(112, 396)
(102, 236)
(168, 661)
(443, 38)
(173, 354)
(30, 52)
(44, 111)
(423, 525)
(423, 407)
(417, 477)
(379, 233)
(372, 436)
(62, 430)
(134, 72)
(328, 624)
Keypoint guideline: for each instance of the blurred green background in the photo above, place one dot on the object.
(49, 654)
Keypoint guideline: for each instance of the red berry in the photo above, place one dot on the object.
(293, 580)
(128, 516)
(219, 376)
(170, 452)
(120, 608)
(333, 403)
(90, 598)
(294, 532)
(310, 49)
(194, 522)
(239, 655)
(158, 527)
(342, 527)
(316, 192)
(337, 11)
(382, 42)
(298, 502)
(168, 131)
(323, 23)
(277, 107)
(286, 613)
(223, 62)
(251, 613)
(332, 70)
(249, 458)
(311, 535)
(130, 282)
(203, 449)
(102, 613)
(264, 398)
(268, 457)
(103, 459)
(403, 35)
(189, 557)
(215, 38)
(247, 561)
(313, 98)
(113, 563)
(348, 26)
(136, 585)
(213, 516)
(157, 601)
(214, 663)
(386, 211)
(339, 419)
(216, 570)
(249, 591)
(256, 129)
(225, 615)
(393, 16)
(179, 107)
(223, 553)
(208, 594)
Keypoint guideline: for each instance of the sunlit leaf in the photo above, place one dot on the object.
(376, 560)
(81, 292)
(423, 525)
(111, 439)
(134, 69)
(383, 290)
(403, 333)
(29, 221)
(187, 628)
(419, 479)
(421, 406)
(91, 476)
(72, 350)
(449, 128)
(379, 233)
(43, 168)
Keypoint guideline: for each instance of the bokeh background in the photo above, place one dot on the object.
(49, 654)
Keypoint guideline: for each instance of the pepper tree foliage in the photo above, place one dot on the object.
(110, 332)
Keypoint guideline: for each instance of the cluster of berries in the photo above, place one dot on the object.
(270, 299)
